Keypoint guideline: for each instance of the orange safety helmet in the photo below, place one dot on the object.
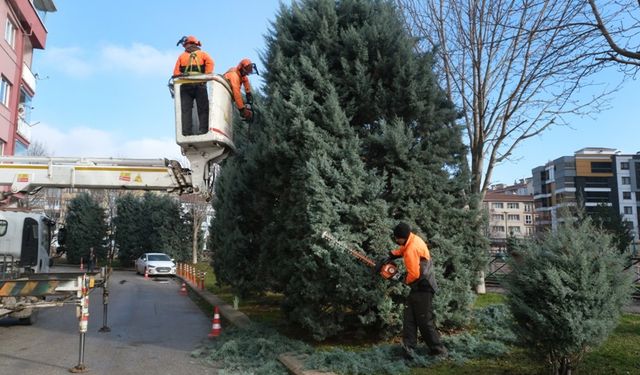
(247, 66)
(189, 40)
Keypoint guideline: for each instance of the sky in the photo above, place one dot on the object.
(102, 81)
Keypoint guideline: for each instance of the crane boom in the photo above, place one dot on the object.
(28, 174)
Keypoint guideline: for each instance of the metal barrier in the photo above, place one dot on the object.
(191, 275)
(498, 269)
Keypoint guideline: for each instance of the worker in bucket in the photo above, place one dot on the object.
(420, 277)
(239, 76)
(191, 62)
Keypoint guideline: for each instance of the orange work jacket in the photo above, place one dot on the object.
(196, 62)
(412, 251)
(235, 80)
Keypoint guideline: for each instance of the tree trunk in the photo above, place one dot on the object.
(194, 243)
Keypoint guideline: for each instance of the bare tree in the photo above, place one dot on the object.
(514, 68)
(619, 24)
(199, 209)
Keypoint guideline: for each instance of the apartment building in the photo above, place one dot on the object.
(593, 176)
(24, 31)
(509, 215)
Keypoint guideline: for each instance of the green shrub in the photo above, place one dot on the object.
(566, 292)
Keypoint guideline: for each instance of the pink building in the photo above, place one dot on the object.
(24, 31)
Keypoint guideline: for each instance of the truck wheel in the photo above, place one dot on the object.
(30, 320)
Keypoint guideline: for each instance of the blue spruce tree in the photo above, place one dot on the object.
(355, 135)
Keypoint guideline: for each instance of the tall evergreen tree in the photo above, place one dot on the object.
(613, 222)
(355, 135)
(128, 234)
(153, 223)
(86, 227)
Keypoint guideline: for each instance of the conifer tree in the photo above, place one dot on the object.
(153, 223)
(566, 293)
(86, 228)
(355, 135)
(128, 234)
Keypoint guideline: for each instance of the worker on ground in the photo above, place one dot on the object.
(418, 311)
(91, 264)
(238, 76)
(191, 62)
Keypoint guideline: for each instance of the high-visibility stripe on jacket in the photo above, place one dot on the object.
(196, 62)
(411, 252)
(235, 80)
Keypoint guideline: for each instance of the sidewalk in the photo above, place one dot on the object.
(292, 362)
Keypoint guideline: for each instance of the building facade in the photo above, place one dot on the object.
(509, 215)
(592, 177)
(24, 31)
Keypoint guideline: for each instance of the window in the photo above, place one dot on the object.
(597, 196)
(513, 230)
(21, 148)
(497, 217)
(596, 182)
(626, 195)
(496, 205)
(628, 210)
(5, 90)
(2, 143)
(10, 33)
(624, 165)
(528, 219)
(529, 230)
(3, 227)
(513, 205)
(513, 217)
(528, 207)
(600, 167)
(24, 108)
(626, 180)
(497, 229)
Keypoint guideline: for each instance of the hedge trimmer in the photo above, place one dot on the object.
(387, 269)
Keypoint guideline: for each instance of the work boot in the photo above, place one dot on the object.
(439, 351)
(408, 354)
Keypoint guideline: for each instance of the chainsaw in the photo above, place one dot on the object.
(387, 270)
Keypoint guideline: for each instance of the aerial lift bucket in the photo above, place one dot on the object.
(204, 151)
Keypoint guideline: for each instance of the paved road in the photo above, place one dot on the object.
(153, 331)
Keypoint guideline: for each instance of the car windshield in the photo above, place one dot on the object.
(158, 257)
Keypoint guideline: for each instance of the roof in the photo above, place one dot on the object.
(501, 197)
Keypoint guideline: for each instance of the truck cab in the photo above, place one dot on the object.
(25, 242)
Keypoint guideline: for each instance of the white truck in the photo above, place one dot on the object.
(26, 282)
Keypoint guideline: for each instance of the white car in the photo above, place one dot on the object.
(155, 264)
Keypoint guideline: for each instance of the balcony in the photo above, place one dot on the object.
(24, 129)
(28, 78)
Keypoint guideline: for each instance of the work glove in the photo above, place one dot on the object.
(246, 113)
(249, 97)
(398, 277)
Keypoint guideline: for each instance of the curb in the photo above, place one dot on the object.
(235, 317)
(293, 364)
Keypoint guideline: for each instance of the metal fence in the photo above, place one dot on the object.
(498, 269)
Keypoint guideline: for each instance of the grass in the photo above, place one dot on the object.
(484, 300)
(620, 354)
(262, 308)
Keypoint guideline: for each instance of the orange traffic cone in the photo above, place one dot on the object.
(215, 326)
(146, 274)
(183, 289)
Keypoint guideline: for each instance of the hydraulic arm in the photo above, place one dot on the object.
(28, 174)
